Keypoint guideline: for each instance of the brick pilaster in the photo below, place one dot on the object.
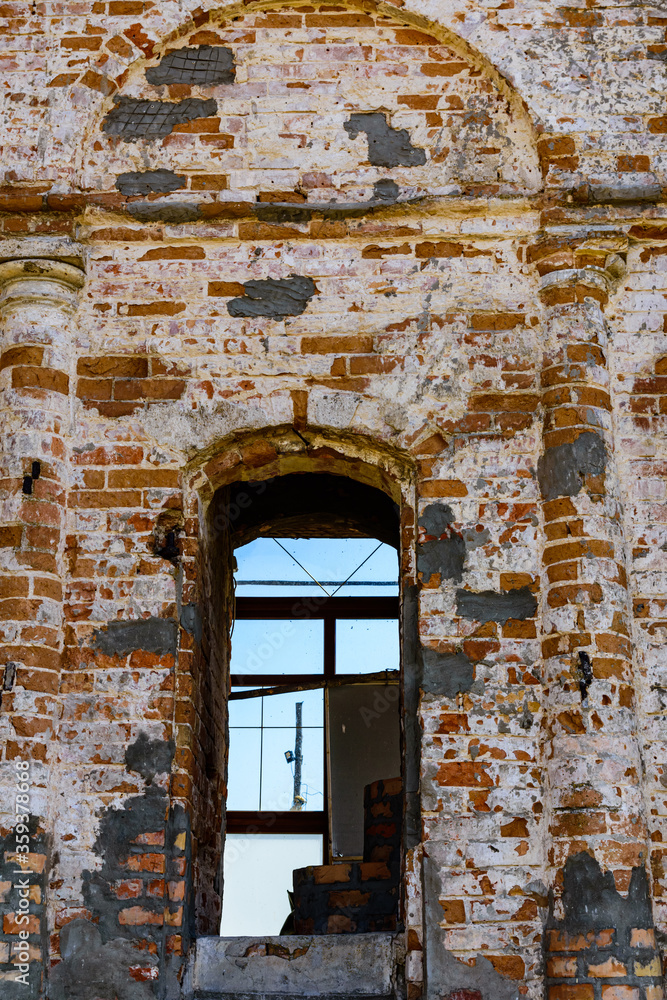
(597, 850)
(38, 297)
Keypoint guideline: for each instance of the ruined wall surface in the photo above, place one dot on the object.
(420, 244)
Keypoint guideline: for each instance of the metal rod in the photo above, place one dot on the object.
(388, 676)
(297, 802)
(309, 583)
(301, 566)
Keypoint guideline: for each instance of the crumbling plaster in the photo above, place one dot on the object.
(465, 312)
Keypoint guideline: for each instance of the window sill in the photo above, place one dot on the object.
(329, 967)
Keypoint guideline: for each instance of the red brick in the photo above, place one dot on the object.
(137, 916)
(27, 377)
(113, 366)
(155, 308)
(328, 874)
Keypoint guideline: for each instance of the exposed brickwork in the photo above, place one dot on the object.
(358, 897)
(421, 248)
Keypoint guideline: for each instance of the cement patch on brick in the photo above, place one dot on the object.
(327, 967)
(493, 606)
(155, 635)
(174, 212)
(387, 146)
(90, 968)
(447, 674)
(562, 469)
(133, 118)
(202, 65)
(273, 297)
(149, 182)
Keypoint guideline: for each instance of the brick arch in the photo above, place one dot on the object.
(414, 13)
(200, 765)
(153, 29)
(461, 126)
(262, 454)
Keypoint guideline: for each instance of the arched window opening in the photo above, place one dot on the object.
(314, 799)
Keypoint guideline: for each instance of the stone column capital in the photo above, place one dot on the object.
(577, 266)
(28, 280)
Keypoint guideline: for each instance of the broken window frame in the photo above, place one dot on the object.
(329, 610)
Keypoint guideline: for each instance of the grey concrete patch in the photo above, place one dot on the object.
(526, 721)
(387, 146)
(626, 188)
(122, 838)
(329, 967)
(155, 635)
(284, 211)
(191, 621)
(445, 974)
(149, 757)
(273, 297)
(474, 539)
(436, 518)
(590, 903)
(135, 118)
(445, 551)
(91, 970)
(385, 193)
(386, 190)
(446, 557)
(591, 900)
(447, 674)
(202, 65)
(493, 606)
(561, 470)
(149, 182)
(164, 211)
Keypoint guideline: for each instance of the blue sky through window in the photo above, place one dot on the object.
(327, 559)
(263, 729)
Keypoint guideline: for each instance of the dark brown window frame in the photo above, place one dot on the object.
(330, 610)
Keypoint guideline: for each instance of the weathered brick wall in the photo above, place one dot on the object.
(416, 244)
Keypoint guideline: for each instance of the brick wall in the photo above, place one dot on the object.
(419, 247)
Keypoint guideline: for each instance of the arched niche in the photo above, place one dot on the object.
(293, 109)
